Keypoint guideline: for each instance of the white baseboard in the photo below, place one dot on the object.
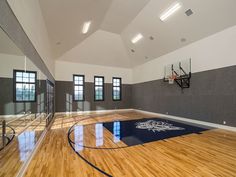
(96, 111)
(225, 127)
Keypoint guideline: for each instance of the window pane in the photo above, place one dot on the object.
(25, 91)
(32, 80)
(78, 88)
(32, 75)
(19, 79)
(99, 86)
(116, 89)
(25, 79)
(19, 74)
(25, 74)
(76, 82)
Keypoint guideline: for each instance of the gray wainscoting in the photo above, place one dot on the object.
(65, 103)
(211, 97)
(8, 107)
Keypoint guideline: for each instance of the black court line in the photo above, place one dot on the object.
(9, 139)
(89, 163)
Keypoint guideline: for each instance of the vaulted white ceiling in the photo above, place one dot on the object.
(116, 22)
(101, 47)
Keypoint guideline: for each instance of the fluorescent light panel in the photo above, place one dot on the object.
(137, 38)
(170, 11)
(86, 27)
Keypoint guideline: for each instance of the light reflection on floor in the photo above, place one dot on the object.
(79, 137)
(99, 134)
(116, 132)
(26, 142)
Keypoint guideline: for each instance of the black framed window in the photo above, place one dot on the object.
(25, 86)
(98, 88)
(116, 88)
(78, 87)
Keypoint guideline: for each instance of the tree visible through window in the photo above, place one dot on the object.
(116, 90)
(99, 88)
(25, 86)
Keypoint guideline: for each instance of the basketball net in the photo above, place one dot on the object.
(172, 79)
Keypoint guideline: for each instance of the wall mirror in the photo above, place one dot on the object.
(26, 105)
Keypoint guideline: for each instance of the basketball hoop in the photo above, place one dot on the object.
(172, 79)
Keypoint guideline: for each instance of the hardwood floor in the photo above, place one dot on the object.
(17, 152)
(212, 153)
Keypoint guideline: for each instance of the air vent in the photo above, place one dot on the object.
(189, 12)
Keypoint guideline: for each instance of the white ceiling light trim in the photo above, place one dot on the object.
(170, 11)
(86, 27)
(137, 38)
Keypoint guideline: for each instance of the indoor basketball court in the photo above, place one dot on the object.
(117, 88)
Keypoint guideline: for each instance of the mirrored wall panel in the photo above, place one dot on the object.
(26, 106)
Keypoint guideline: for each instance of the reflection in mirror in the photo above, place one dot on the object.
(24, 94)
(79, 137)
(116, 132)
(99, 134)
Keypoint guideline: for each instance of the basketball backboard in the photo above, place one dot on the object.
(181, 68)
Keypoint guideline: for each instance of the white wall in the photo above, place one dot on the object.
(11, 62)
(64, 72)
(216, 51)
(30, 17)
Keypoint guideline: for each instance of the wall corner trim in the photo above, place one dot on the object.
(184, 119)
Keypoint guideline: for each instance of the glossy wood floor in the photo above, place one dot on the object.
(17, 152)
(212, 153)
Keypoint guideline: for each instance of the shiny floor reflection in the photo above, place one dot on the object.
(26, 142)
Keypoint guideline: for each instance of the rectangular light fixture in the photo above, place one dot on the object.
(86, 27)
(137, 38)
(170, 11)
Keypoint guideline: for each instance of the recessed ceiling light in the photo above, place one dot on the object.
(86, 27)
(171, 10)
(137, 38)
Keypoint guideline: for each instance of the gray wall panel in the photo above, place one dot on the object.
(8, 107)
(211, 97)
(64, 98)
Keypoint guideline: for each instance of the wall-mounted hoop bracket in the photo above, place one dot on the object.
(180, 73)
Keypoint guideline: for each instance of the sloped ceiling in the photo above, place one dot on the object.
(121, 13)
(116, 22)
(64, 20)
(101, 47)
